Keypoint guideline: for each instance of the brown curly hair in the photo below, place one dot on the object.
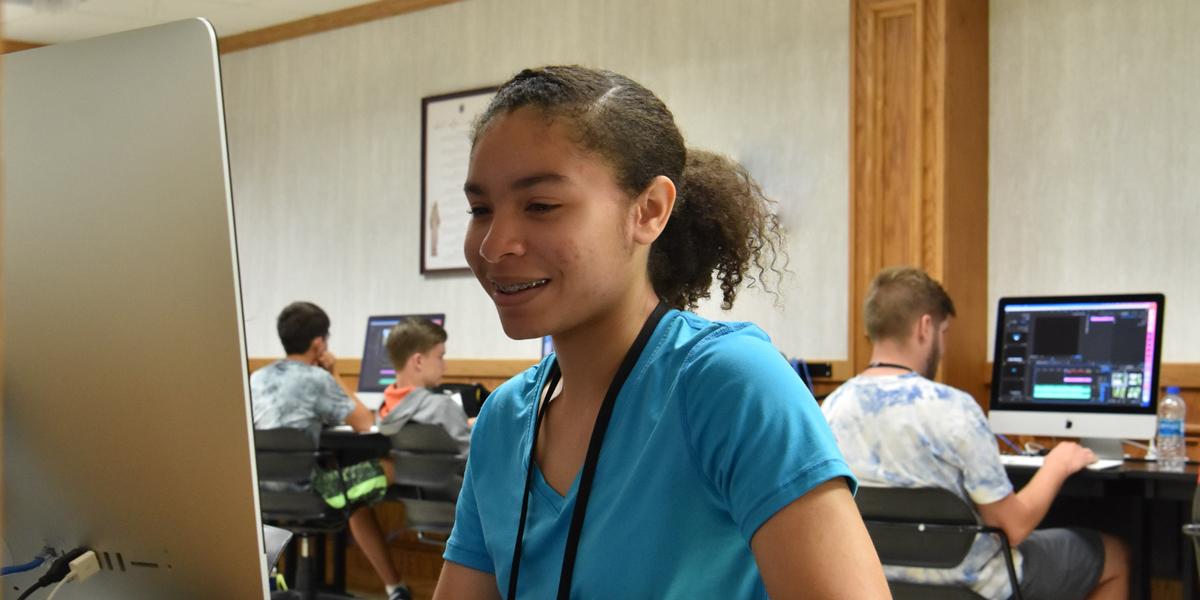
(722, 223)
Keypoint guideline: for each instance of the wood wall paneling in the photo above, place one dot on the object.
(329, 21)
(489, 372)
(918, 191)
(887, 38)
(346, 17)
(962, 214)
(17, 46)
(493, 372)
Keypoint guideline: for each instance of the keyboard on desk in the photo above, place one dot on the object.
(1014, 460)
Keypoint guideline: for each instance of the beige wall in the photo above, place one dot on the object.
(1094, 153)
(324, 142)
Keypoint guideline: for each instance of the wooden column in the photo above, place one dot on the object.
(918, 189)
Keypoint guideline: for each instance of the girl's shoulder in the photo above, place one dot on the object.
(713, 360)
(515, 397)
(701, 342)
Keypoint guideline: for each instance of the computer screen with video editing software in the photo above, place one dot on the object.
(1078, 366)
(377, 372)
(1062, 353)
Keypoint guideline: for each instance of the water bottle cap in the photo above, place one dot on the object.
(1173, 389)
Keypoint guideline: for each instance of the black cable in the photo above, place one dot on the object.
(59, 569)
(34, 588)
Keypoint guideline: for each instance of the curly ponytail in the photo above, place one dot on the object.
(722, 223)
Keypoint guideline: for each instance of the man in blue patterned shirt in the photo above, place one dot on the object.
(899, 428)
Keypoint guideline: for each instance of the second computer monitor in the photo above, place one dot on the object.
(1077, 366)
(377, 371)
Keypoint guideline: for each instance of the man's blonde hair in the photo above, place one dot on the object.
(898, 297)
(410, 336)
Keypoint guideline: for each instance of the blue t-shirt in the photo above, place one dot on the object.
(711, 435)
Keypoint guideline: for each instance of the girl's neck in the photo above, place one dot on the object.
(590, 354)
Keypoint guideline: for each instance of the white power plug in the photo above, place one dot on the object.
(85, 565)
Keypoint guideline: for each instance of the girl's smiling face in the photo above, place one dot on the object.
(550, 235)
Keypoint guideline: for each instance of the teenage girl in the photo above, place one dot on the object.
(655, 454)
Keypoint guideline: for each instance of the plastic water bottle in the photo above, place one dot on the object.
(1171, 416)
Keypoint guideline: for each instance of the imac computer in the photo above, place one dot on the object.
(126, 417)
(377, 372)
(1078, 366)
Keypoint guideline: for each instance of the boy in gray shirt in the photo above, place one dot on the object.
(417, 348)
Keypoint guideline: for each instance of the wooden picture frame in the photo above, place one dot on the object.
(445, 150)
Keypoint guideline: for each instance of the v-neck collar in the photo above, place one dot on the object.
(551, 495)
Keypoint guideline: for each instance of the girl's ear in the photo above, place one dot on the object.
(652, 208)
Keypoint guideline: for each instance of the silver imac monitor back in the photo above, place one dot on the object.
(126, 416)
(1078, 366)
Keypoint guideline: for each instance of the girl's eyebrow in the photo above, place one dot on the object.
(472, 188)
(536, 179)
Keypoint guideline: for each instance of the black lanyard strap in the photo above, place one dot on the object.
(888, 365)
(589, 464)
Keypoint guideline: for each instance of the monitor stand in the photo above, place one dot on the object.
(1105, 448)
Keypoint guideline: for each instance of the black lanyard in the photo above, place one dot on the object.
(589, 463)
(888, 365)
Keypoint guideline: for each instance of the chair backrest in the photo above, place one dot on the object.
(286, 459)
(285, 455)
(426, 457)
(420, 438)
(437, 475)
(918, 527)
(429, 462)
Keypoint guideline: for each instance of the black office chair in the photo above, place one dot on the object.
(286, 459)
(429, 467)
(929, 528)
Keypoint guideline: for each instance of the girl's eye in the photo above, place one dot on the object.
(479, 211)
(539, 207)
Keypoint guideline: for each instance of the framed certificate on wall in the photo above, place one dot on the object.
(445, 150)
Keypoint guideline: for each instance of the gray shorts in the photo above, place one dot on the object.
(1061, 564)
